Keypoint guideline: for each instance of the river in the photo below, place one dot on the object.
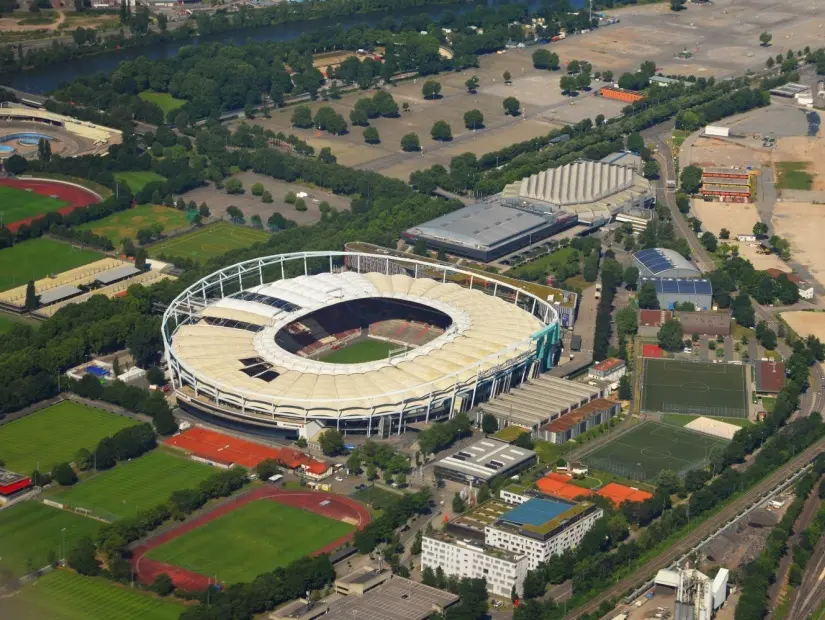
(48, 78)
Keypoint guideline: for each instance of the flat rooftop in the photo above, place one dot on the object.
(9, 477)
(58, 293)
(397, 599)
(478, 518)
(536, 512)
(738, 189)
(115, 275)
(486, 458)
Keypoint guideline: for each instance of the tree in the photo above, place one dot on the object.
(83, 459)
(670, 335)
(627, 321)
(607, 76)
(630, 277)
(647, 298)
(441, 131)
(410, 143)
(385, 104)
(82, 557)
(742, 310)
(32, 298)
(635, 142)
(545, 59)
(668, 482)
(400, 480)
(257, 189)
(266, 197)
(507, 77)
(64, 474)
(233, 186)
(300, 205)
(332, 442)
(302, 117)
(489, 423)
(301, 442)
(760, 229)
(204, 210)
(691, 179)
(140, 258)
(534, 584)
(162, 585)
(573, 66)
(568, 85)
(325, 155)
(651, 169)
(16, 164)
(164, 421)
(44, 150)
(677, 5)
(405, 107)
(769, 63)
(708, 240)
(431, 90)
(420, 247)
(371, 135)
(472, 84)
(724, 234)
(765, 38)
(458, 504)
(473, 119)
(625, 389)
(583, 81)
(359, 117)
(155, 376)
(290, 198)
(511, 106)
(483, 494)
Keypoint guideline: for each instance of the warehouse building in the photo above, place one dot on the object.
(483, 461)
(672, 291)
(571, 425)
(593, 191)
(664, 263)
(705, 323)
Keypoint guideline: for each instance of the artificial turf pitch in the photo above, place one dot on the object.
(65, 595)
(256, 538)
(367, 350)
(18, 204)
(673, 386)
(205, 243)
(31, 532)
(649, 448)
(54, 435)
(37, 258)
(130, 487)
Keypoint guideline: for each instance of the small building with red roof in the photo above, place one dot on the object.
(770, 377)
(650, 321)
(612, 369)
(11, 483)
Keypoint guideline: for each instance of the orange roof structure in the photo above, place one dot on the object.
(563, 490)
(558, 485)
(618, 493)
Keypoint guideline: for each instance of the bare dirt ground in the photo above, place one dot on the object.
(806, 323)
(737, 218)
(800, 223)
(807, 149)
(707, 152)
(218, 200)
(762, 261)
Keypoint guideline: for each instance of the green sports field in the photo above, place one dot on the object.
(205, 243)
(38, 258)
(376, 497)
(647, 449)
(164, 101)
(256, 538)
(137, 180)
(362, 351)
(54, 435)
(30, 531)
(702, 388)
(125, 224)
(8, 321)
(64, 595)
(18, 204)
(130, 487)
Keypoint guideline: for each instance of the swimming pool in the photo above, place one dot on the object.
(26, 139)
(5, 150)
(97, 371)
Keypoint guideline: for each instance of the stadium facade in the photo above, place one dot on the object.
(247, 343)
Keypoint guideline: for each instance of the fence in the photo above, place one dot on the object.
(705, 410)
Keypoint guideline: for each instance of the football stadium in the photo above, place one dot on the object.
(350, 340)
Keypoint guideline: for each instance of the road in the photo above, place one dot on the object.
(666, 558)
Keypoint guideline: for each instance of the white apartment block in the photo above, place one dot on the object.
(502, 570)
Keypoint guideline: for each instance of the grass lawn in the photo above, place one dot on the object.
(793, 175)
(31, 530)
(18, 204)
(376, 497)
(205, 243)
(256, 538)
(137, 180)
(164, 101)
(130, 487)
(7, 321)
(679, 419)
(125, 224)
(363, 351)
(65, 595)
(588, 482)
(737, 331)
(544, 265)
(647, 449)
(673, 386)
(38, 258)
(679, 136)
(548, 452)
(54, 435)
(768, 404)
(510, 433)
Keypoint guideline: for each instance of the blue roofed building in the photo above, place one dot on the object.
(673, 291)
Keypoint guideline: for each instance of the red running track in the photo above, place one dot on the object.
(339, 507)
(76, 197)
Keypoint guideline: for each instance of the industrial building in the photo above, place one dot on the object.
(672, 291)
(627, 159)
(483, 461)
(488, 230)
(593, 191)
(664, 263)
(697, 596)
(571, 425)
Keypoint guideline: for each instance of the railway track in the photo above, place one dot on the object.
(664, 559)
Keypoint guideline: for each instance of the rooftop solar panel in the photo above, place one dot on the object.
(669, 286)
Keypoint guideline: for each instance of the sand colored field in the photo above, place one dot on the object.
(801, 224)
(807, 149)
(737, 218)
(707, 152)
(762, 261)
(81, 275)
(806, 323)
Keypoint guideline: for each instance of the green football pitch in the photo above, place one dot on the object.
(38, 258)
(138, 180)
(54, 435)
(367, 350)
(18, 204)
(673, 386)
(205, 243)
(647, 449)
(30, 532)
(140, 484)
(256, 538)
(64, 595)
(125, 224)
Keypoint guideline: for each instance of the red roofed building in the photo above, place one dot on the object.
(770, 377)
(775, 273)
(612, 369)
(651, 320)
(570, 425)
(11, 483)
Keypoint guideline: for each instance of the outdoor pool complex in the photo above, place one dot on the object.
(26, 139)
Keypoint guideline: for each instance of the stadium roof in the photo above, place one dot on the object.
(58, 293)
(660, 260)
(682, 286)
(582, 181)
(115, 275)
(483, 326)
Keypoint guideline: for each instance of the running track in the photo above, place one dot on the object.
(76, 197)
(339, 508)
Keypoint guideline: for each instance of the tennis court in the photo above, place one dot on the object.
(644, 451)
(674, 386)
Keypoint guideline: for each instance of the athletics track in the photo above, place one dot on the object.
(77, 197)
(339, 507)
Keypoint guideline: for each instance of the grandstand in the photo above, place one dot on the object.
(258, 354)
